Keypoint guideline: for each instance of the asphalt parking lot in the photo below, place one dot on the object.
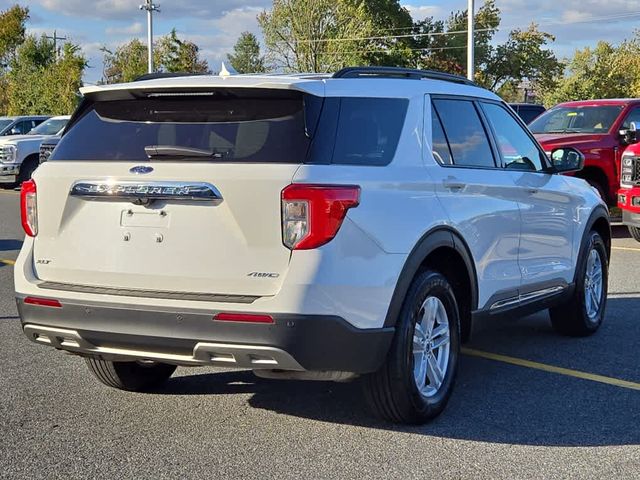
(507, 418)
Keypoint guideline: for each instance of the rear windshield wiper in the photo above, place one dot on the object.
(159, 152)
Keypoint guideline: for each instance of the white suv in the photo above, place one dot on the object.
(309, 227)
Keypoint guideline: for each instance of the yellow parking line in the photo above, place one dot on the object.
(7, 262)
(550, 368)
(629, 249)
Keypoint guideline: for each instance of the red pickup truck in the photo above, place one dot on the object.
(629, 193)
(598, 129)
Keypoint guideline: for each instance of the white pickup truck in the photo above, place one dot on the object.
(19, 153)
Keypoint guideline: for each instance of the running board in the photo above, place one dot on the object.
(527, 297)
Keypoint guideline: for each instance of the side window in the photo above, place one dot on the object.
(24, 126)
(368, 130)
(634, 116)
(463, 129)
(517, 148)
(439, 144)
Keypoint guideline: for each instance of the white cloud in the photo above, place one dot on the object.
(420, 12)
(128, 9)
(133, 29)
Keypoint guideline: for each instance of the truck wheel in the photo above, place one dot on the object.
(635, 233)
(582, 315)
(26, 170)
(415, 382)
(131, 376)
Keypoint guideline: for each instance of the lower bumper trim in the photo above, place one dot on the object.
(226, 355)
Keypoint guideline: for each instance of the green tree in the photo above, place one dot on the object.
(316, 35)
(392, 25)
(246, 56)
(605, 71)
(12, 32)
(126, 63)
(502, 67)
(171, 54)
(40, 82)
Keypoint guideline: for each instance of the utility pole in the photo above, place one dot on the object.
(470, 42)
(55, 39)
(150, 7)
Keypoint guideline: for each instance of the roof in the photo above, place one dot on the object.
(602, 102)
(18, 117)
(312, 83)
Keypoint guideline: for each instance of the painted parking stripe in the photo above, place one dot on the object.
(7, 262)
(628, 249)
(552, 369)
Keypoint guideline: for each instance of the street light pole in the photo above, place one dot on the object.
(150, 7)
(470, 41)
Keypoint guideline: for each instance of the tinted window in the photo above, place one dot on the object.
(634, 116)
(518, 150)
(440, 146)
(368, 130)
(586, 119)
(528, 114)
(50, 127)
(232, 125)
(466, 135)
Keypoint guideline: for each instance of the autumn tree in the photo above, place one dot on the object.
(172, 54)
(316, 35)
(605, 71)
(246, 56)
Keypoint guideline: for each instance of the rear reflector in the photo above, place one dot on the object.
(243, 317)
(43, 302)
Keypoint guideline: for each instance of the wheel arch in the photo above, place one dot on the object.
(443, 249)
(598, 221)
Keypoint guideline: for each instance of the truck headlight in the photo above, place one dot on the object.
(627, 173)
(8, 154)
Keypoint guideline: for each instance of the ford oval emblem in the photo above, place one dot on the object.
(141, 169)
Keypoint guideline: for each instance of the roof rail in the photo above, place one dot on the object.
(153, 76)
(396, 72)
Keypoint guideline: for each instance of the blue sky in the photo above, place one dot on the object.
(215, 24)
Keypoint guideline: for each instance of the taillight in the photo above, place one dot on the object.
(313, 214)
(28, 208)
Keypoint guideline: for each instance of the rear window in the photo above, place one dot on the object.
(234, 126)
(241, 125)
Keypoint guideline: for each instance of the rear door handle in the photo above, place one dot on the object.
(454, 186)
(532, 191)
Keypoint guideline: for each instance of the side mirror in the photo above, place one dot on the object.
(630, 136)
(567, 159)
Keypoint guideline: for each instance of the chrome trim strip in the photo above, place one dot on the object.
(107, 189)
(132, 292)
(204, 353)
(527, 296)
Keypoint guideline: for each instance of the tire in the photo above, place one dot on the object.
(601, 190)
(580, 317)
(393, 392)
(130, 376)
(635, 233)
(26, 170)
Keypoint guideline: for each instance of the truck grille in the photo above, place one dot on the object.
(4, 156)
(45, 151)
(630, 174)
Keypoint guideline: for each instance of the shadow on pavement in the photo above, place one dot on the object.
(493, 402)
(620, 231)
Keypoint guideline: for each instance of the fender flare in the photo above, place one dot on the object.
(600, 212)
(430, 241)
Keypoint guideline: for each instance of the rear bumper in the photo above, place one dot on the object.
(126, 332)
